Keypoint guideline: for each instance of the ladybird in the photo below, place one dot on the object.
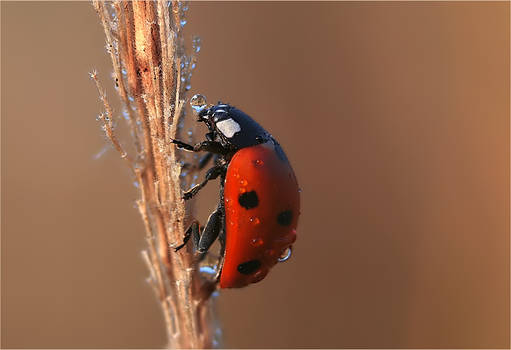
(257, 215)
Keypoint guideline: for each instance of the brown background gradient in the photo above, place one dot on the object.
(394, 115)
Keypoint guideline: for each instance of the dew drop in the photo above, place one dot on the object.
(196, 41)
(208, 270)
(286, 254)
(299, 190)
(243, 182)
(259, 275)
(257, 242)
(198, 102)
(258, 162)
(255, 220)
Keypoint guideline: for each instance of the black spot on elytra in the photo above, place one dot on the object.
(285, 217)
(249, 267)
(248, 200)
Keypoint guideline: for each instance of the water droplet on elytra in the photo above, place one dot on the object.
(257, 242)
(243, 182)
(259, 275)
(258, 162)
(286, 254)
(255, 220)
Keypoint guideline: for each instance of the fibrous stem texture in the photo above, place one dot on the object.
(152, 74)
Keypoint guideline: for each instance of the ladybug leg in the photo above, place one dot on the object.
(193, 229)
(221, 259)
(211, 230)
(212, 174)
(183, 145)
(209, 146)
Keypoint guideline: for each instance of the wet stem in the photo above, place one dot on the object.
(152, 74)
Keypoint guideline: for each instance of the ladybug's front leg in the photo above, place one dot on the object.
(209, 146)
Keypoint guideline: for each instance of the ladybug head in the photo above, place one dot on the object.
(234, 128)
(219, 120)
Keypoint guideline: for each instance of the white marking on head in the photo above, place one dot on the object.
(228, 127)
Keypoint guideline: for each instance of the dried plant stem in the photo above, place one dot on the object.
(151, 71)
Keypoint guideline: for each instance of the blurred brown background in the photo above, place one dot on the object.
(394, 115)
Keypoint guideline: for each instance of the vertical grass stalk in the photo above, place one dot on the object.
(152, 74)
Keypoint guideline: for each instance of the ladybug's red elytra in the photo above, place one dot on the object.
(257, 215)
